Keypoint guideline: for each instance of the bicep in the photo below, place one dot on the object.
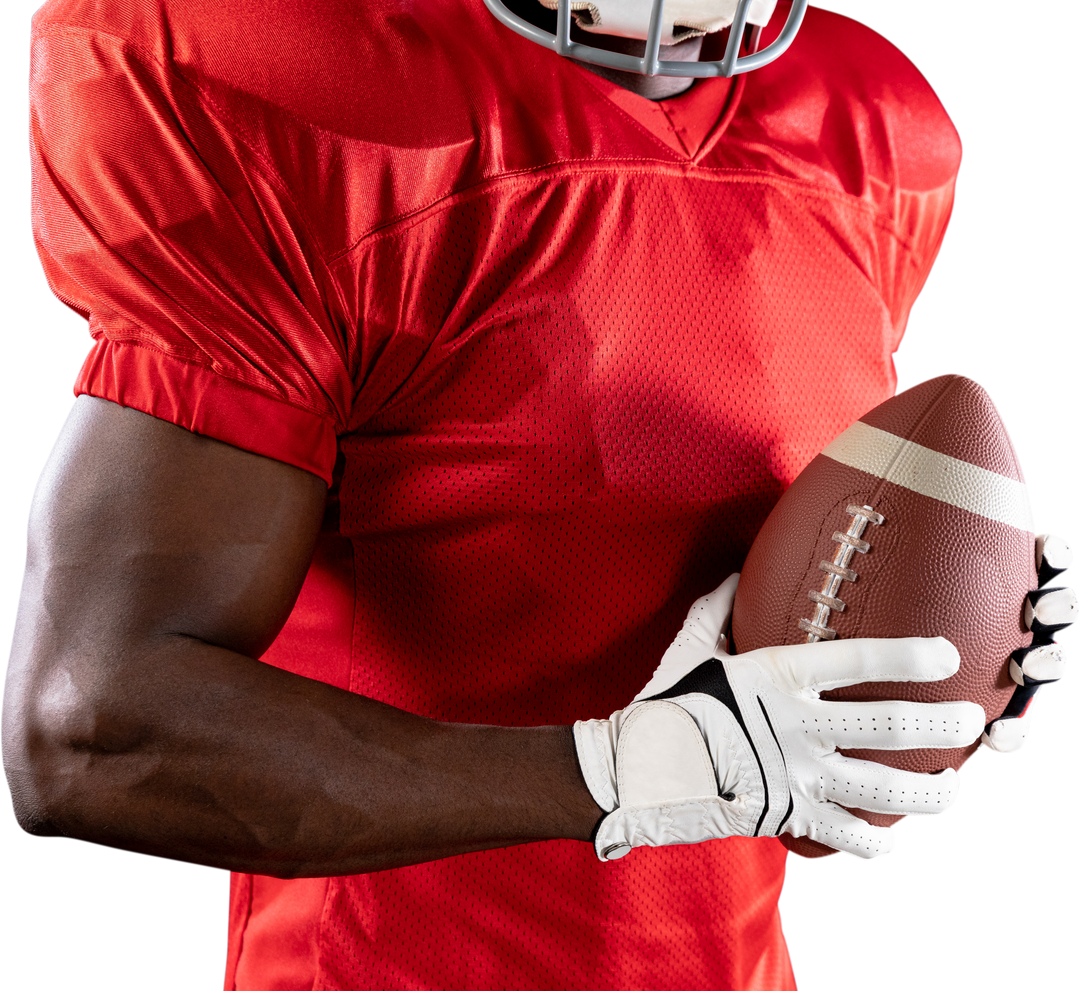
(143, 529)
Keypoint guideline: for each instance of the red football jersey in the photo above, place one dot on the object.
(557, 349)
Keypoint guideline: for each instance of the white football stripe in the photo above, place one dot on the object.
(950, 480)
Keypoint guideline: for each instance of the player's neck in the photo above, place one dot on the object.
(650, 87)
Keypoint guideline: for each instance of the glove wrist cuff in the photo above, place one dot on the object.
(690, 820)
(595, 743)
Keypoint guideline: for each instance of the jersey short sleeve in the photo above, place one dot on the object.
(207, 301)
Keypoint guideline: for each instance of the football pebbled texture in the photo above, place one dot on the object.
(953, 555)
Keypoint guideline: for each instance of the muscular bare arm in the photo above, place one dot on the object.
(160, 565)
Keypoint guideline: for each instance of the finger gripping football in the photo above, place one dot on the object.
(913, 522)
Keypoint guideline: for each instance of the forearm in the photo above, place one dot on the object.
(160, 564)
(222, 760)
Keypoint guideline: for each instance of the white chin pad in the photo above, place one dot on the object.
(682, 18)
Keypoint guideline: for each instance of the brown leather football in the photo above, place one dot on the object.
(913, 522)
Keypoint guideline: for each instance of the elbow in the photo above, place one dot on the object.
(37, 766)
(31, 765)
(30, 812)
(56, 743)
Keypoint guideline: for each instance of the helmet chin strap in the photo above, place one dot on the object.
(682, 19)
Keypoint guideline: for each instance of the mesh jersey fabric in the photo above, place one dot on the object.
(557, 350)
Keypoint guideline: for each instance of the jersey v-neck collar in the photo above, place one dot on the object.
(689, 124)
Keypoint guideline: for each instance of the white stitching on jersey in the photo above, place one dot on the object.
(838, 571)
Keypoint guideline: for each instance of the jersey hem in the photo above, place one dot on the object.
(198, 399)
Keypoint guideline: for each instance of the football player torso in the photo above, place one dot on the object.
(557, 348)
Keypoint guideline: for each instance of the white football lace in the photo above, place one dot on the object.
(837, 571)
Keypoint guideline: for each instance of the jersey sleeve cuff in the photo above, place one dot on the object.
(198, 399)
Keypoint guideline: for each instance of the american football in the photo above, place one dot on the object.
(913, 522)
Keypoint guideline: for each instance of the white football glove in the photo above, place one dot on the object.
(1046, 612)
(718, 745)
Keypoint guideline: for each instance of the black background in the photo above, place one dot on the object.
(975, 896)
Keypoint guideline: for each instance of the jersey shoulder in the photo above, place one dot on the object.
(366, 112)
(849, 103)
(393, 72)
